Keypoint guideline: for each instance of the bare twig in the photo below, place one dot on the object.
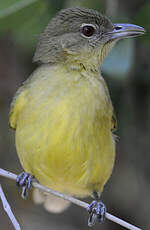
(12, 176)
(15, 7)
(8, 210)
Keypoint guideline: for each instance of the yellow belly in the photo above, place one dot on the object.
(63, 133)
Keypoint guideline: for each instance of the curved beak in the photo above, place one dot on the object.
(121, 31)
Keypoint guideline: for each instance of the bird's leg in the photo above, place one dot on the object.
(24, 180)
(96, 210)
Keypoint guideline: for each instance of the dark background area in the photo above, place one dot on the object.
(127, 72)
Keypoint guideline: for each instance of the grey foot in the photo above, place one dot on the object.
(24, 181)
(96, 212)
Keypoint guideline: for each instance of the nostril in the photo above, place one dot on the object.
(118, 27)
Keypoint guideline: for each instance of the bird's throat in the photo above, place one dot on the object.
(88, 60)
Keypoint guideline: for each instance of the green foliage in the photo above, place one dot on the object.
(6, 4)
(143, 19)
(26, 23)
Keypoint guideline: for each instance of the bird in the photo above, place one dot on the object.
(63, 117)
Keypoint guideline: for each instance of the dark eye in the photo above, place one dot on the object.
(88, 31)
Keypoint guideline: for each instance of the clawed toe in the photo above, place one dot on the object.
(96, 212)
(24, 180)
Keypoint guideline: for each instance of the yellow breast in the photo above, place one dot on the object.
(63, 126)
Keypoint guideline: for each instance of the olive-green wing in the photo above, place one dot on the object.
(17, 104)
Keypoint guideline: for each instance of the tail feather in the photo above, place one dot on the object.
(50, 202)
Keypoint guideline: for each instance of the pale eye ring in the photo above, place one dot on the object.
(87, 30)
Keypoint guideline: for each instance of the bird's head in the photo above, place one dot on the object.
(80, 34)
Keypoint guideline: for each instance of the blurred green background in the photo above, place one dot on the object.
(127, 72)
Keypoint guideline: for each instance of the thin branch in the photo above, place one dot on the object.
(80, 203)
(8, 210)
(15, 7)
